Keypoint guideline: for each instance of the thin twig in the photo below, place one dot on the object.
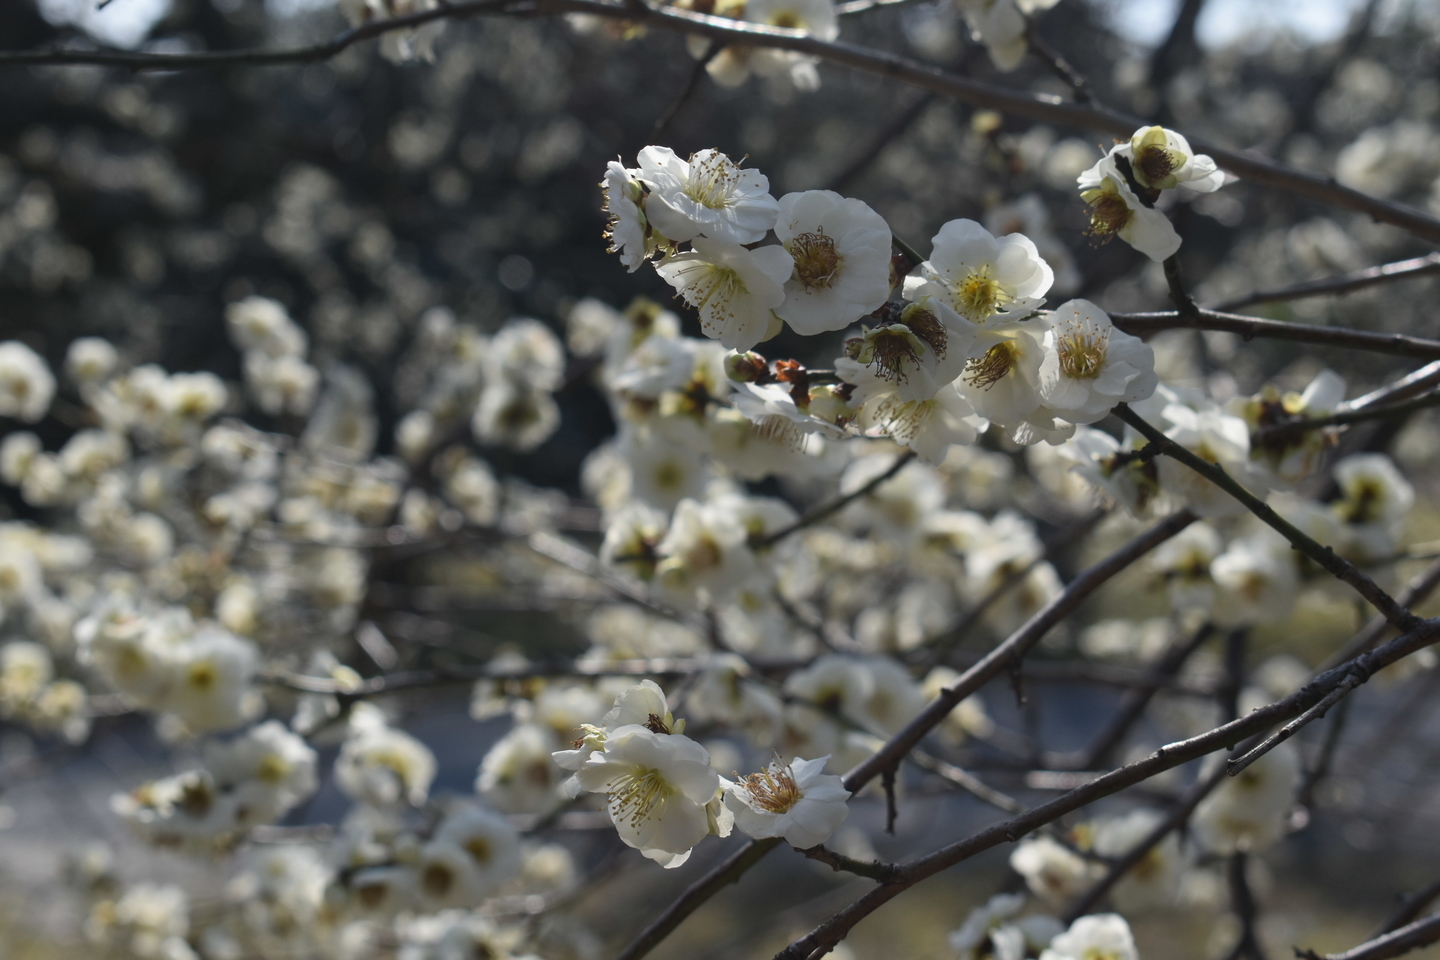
(1305, 796)
(1132, 707)
(830, 932)
(1173, 821)
(1398, 344)
(1242, 903)
(1411, 937)
(722, 875)
(1058, 65)
(1327, 558)
(1251, 167)
(874, 869)
(887, 135)
(1295, 429)
(1014, 648)
(1184, 303)
(1409, 909)
(1345, 283)
(825, 510)
(965, 781)
(698, 71)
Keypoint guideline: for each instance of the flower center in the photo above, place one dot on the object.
(890, 347)
(788, 19)
(773, 790)
(985, 371)
(1082, 352)
(981, 295)
(1154, 163)
(712, 181)
(928, 327)
(817, 262)
(1109, 213)
(638, 793)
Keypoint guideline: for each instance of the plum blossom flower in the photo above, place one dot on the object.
(1115, 211)
(26, 383)
(707, 196)
(734, 289)
(658, 787)
(929, 427)
(927, 348)
(796, 801)
(1101, 936)
(1051, 871)
(1249, 811)
(1090, 366)
(841, 250)
(1161, 159)
(985, 279)
(627, 227)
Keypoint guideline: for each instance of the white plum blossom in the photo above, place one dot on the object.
(841, 250)
(26, 384)
(627, 226)
(1257, 580)
(986, 279)
(1249, 811)
(1102, 936)
(1115, 211)
(1161, 159)
(926, 349)
(706, 550)
(795, 801)
(1090, 366)
(1052, 871)
(658, 788)
(708, 195)
(735, 290)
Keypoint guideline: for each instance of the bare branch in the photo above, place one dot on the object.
(1412, 269)
(1409, 908)
(820, 940)
(873, 869)
(1398, 344)
(826, 510)
(1014, 648)
(1327, 558)
(1295, 429)
(723, 874)
(1419, 934)
(1199, 791)
(1256, 169)
(1242, 902)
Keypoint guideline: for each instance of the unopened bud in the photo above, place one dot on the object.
(747, 367)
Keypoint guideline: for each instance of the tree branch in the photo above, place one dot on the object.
(723, 874)
(825, 510)
(820, 940)
(873, 869)
(1412, 937)
(1327, 558)
(1345, 283)
(1254, 168)
(1398, 344)
(1092, 897)
(1409, 909)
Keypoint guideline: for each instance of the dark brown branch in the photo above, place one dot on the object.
(874, 869)
(1173, 821)
(1345, 283)
(722, 875)
(1014, 648)
(1419, 934)
(826, 510)
(1327, 558)
(887, 135)
(1254, 168)
(1409, 909)
(1132, 707)
(687, 91)
(1242, 903)
(1295, 429)
(1398, 344)
(820, 940)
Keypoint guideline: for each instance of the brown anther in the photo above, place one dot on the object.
(985, 371)
(1109, 213)
(656, 724)
(1154, 163)
(816, 260)
(928, 327)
